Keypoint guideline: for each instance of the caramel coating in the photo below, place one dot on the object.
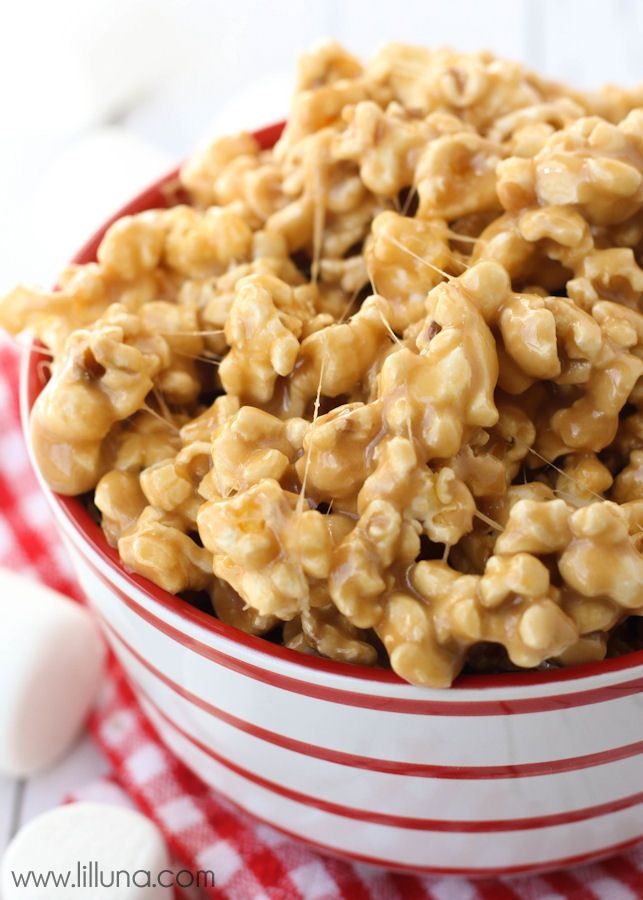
(102, 377)
(378, 389)
(248, 446)
(336, 359)
(455, 176)
(157, 547)
(266, 548)
(628, 484)
(330, 634)
(231, 609)
(263, 340)
(119, 498)
(405, 258)
(601, 560)
(205, 166)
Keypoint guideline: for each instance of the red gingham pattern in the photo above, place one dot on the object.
(204, 831)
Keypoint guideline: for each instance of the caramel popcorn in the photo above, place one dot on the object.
(629, 482)
(601, 560)
(248, 446)
(102, 377)
(263, 342)
(133, 245)
(455, 176)
(405, 258)
(375, 391)
(231, 609)
(119, 498)
(267, 548)
(200, 244)
(158, 547)
(330, 634)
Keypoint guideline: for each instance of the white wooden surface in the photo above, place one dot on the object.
(186, 68)
(20, 801)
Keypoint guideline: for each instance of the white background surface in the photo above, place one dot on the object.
(99, 97)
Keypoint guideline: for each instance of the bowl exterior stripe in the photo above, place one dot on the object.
(590, 728)
(548, 767)
(437, 851)
(367, 815)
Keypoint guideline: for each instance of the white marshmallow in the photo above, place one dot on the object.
(51, 661)
(104, 839)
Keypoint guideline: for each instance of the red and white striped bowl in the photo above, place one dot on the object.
(511, 773)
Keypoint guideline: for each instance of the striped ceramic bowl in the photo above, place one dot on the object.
(511, 773)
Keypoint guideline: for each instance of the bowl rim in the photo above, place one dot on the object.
(162, 191)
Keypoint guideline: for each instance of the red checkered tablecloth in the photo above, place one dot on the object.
(204, 831)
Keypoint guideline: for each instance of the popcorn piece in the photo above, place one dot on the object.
(179, 381)
(408, 631)
(316, 108)
(536, 246)
(84, 294)
(439, 501)
(326, 63)
(591, 421)
(337, 358)
(338, 451)
(133, 245)
(232, 610)
(102, 378)
(263, 341)
(521, 573)
(201, 244)
(528, 330)
(332, 636)
(119, 498)
(214, 296)
(601, 559)
(474, 86)
(610, 274)
(628, 484)
(201, 171)
(536, 526)
(450, 384)
(455, 176)
(202, 427)
(157, 547)
(584, 478)
(246, 448)
(528, 622)
(350, 274)
(141, 441)
(386, 145)
(590, 164)
(357, 582)
(553, 115)
(169, 488)
(405, 259)
(266, 548)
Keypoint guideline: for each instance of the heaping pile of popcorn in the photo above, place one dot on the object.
(379, 386)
